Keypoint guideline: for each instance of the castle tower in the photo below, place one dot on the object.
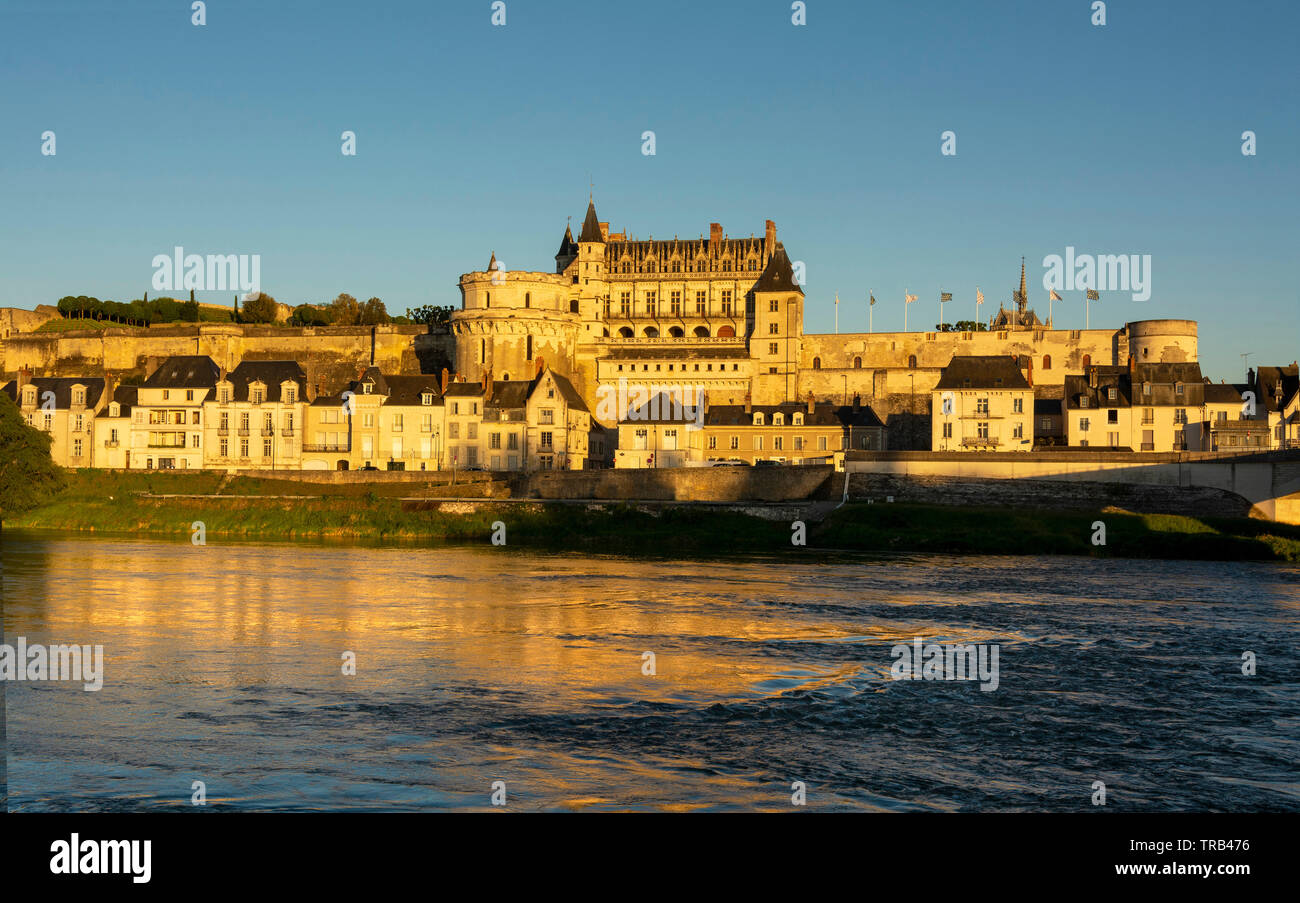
(591, 249)
(775, 342)
(568, 252)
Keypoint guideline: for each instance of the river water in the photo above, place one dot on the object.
(224, 664)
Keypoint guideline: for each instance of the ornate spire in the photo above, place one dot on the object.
(492, 264)
(1023, 297)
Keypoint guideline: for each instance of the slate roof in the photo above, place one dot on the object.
(61, 386)
(778, 275)
(184, 372)
(409, 389)
(983, 371)
(1268, 378)
(824, 414)
(270, 373)
(1222, 393)
(591, 225)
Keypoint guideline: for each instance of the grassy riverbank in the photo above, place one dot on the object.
(121, 503)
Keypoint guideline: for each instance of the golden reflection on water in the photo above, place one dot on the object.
(561, 627)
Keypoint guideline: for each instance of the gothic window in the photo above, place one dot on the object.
(528, 299)
(1087, 361)
(817, 363)
(911, 361)
(857, 363)
(1047, 362)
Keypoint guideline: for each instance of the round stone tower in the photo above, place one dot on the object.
(1162, 341)
(510, 320)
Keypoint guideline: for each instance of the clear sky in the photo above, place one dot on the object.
(225, 139)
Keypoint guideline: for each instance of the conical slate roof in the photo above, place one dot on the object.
(591, 225)
(568, 247)
(778, 275)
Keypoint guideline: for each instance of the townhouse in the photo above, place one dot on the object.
(982, 403)
(254, 417)
(63, 407)
(1277, 401)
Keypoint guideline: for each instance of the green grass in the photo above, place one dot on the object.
(998, 531)
(116, 502)
(75, 325)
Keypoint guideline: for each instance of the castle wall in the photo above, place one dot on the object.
(329, 355)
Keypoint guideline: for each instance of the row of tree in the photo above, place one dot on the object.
(345, 310)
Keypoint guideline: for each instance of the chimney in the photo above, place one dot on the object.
(24, 375)
(857, 402)
(487, 382)
(749, 407)
(769, 236)
(812, 402)
(541, 365)
(715, 231)
(604, 231)
(446, 375)
(1092, 377)
(1029, 370)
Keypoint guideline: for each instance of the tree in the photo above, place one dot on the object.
(28, 476)
(345, 311)
(309, 315)
(430, 315)
(373, 313)
(261, 308)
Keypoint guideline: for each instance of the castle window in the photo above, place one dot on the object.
(676, 302)
(651, 332)
(677, 266)
(774, 328)
(1047, 362)
(817, 363)
(625, 304)
(482, 351)
(676, 332)
(625, 332)
(701, 332)
(528, 299)
(700, 303)
(911, 361)
(774, 305)
(773, 348)
(753, 264)
(650, 304)
(530, 348)
(857, 363)
(1087, 361)
(488, 297)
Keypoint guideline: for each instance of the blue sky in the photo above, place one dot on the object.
(473, 138)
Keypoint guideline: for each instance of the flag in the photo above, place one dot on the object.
(1053, 296)
(873, 300)
(979, 297)
(945, 296)
(1093, 296)
(908, 299)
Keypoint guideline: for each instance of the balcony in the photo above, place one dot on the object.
(1148, 446)
(327, 447)
(979, 442)
(287, 432)
(111, 443)
(243, 431)
(268, 431)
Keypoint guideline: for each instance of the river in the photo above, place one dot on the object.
(224, 664)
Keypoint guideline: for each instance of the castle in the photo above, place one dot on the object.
(726, 314)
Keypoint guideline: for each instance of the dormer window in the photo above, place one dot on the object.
(366, 387)
(290, 394)
(758, 418)
(798, 419)
(29, 396)
(115, 410)
(79, 396)
(1178, 388)
(997, 382)
(1111, 393)
(778, 419)
(426, 398)
(1146, 388)
(1083, 401)
(257, 394)
(225, 394)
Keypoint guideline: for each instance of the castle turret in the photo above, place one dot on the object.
(568, 251)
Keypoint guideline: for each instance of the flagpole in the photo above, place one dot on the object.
(904, 311)
(837, 313)
(871, 314)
